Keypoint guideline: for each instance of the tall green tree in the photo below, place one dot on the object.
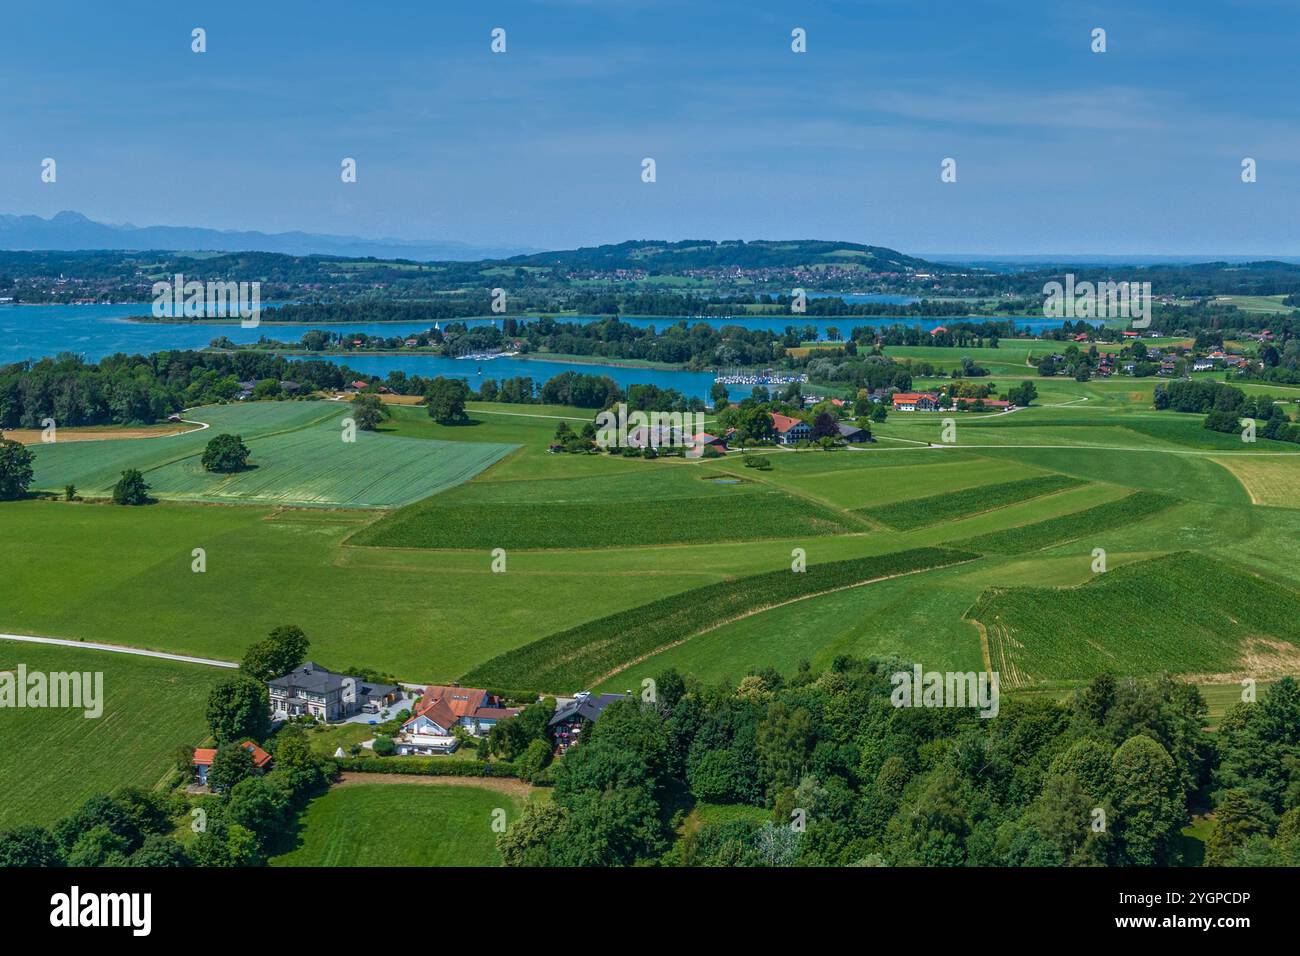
(368, 412)
(280, 652)
(29, 846)
(131, 489)
(446, 400)
(238, 709)
(231, 766)
(1148, 800)
(225, 454)
(15, 470)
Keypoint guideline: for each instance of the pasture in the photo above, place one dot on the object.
(51, 760)
(598, 650)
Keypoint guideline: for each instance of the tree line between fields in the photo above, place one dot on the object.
(1225, 406)
(834, 774)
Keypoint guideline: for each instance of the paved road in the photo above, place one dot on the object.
(115, 648)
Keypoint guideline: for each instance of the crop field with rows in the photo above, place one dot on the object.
(920, 512)
(585, 654)
(1182, 613)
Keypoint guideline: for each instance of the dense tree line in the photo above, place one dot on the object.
(871, 372)
(141, 389)
(847, 778)
(1225, 406)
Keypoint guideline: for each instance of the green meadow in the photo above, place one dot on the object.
(667, 503)
(400, 824)
(53, 759)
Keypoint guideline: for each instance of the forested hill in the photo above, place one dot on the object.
(658, 256)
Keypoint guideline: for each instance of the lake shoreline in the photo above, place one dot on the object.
(333, 354)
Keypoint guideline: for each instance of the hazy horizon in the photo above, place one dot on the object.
(1135, 152)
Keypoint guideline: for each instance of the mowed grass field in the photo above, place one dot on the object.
(53, 759)
(400, 824)
(298, 457)
(670, 502)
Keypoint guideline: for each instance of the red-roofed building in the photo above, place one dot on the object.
(440, 710)
(704, 440)
(203, 757)
(789, 430)
(937, 329)
(915, 401)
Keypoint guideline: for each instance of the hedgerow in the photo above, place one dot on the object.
(428, 766)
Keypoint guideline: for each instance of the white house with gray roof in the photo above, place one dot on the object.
(321, 693)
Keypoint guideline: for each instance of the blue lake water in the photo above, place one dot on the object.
(94, 331)
(691, 384)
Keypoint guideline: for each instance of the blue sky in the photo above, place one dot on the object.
(1058, 149)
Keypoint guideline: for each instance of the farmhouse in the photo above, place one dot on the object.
(440, 710)
(790, 430)
(703, 440)
(852, 433)
(572, 716)
(203, 757)
(319, 692)
(661, 435)
(916, 402)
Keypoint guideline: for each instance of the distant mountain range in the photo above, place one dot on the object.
(68, 231)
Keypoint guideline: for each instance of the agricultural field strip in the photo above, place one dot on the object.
(115, 648)
(579, 656)
(590, 513)
(1206, 453)
(1062, 529)
(913, 513)
(1215, 614)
